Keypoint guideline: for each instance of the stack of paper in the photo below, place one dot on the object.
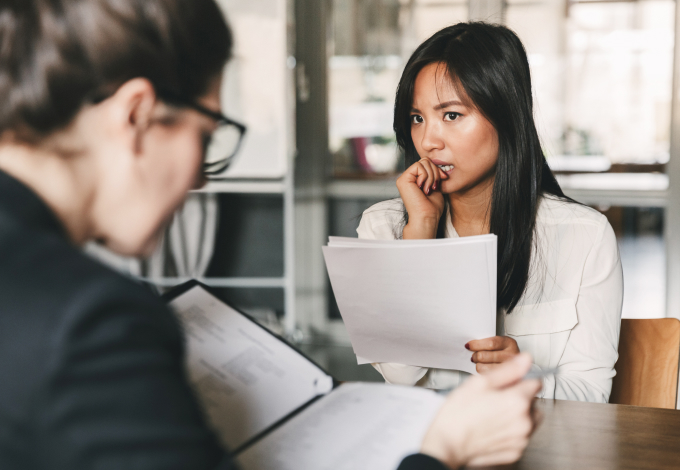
(415, 302)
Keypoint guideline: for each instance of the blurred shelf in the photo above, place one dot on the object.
(360, 175)
(241, 282)
(621, 198)
(374, 188)
(615, 181)
(578, 163)
(244, 187)
(615, 189)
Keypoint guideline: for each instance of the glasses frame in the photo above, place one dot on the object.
(209, 169)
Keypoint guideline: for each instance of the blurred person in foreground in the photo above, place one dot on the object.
(107, 108)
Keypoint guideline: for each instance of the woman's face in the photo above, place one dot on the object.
(147, 171)
(455, 136)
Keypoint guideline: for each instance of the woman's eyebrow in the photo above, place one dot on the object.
(415, 110)
(447, 104)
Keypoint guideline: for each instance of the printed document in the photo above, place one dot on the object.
(356, 426)
(246, 378)
(415, 302)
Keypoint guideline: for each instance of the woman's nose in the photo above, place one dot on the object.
(432, 139)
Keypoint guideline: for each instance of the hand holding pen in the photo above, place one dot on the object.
(488, 420)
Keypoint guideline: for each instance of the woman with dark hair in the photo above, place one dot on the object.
(107, 108)
(464, 118)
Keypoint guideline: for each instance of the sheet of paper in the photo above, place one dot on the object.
(246, 378)
(415, 302)
(362, 360)
(356, 426)
(359, 242)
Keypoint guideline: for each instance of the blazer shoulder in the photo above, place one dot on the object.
(102, 296)
(60, 306)
(93, 285)
(46, 281)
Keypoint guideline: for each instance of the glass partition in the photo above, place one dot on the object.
(602, 75)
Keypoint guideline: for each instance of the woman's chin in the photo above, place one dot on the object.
(133, 248)
(147, 248)
(449, 187)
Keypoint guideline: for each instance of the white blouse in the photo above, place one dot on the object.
(570, 314)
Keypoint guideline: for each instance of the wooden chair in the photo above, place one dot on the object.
(647, 369)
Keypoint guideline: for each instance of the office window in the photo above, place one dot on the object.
(602, 75)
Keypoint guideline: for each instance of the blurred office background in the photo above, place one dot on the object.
(315, 80)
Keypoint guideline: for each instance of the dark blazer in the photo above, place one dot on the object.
(91, 364)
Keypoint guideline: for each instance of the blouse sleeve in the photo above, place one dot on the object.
(379, 225)
(586, 369)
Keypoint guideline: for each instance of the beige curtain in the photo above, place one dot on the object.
(189, 242)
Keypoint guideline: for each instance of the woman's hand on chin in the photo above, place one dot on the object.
(490, 352)
(419, 188)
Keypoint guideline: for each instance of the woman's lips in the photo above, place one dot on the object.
(444, 166)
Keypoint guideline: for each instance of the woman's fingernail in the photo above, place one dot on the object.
(472, 360)
(467, 346)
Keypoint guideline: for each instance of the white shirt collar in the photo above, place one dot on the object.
(449, 231)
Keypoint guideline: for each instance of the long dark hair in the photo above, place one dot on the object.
(489, 66)
(58, 55)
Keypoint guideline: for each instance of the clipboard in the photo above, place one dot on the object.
(257, 391)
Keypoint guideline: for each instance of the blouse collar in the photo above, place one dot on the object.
(449, 231)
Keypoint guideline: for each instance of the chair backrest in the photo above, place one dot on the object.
(647, 369)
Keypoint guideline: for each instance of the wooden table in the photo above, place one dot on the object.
(591, 436)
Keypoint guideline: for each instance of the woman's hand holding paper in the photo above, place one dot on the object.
(490, 352)
(424, 204)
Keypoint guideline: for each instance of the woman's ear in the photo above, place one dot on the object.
(134, 105)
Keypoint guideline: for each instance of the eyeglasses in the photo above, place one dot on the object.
(221, 148)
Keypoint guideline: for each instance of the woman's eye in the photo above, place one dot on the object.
(451, 116)
(415, 119)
